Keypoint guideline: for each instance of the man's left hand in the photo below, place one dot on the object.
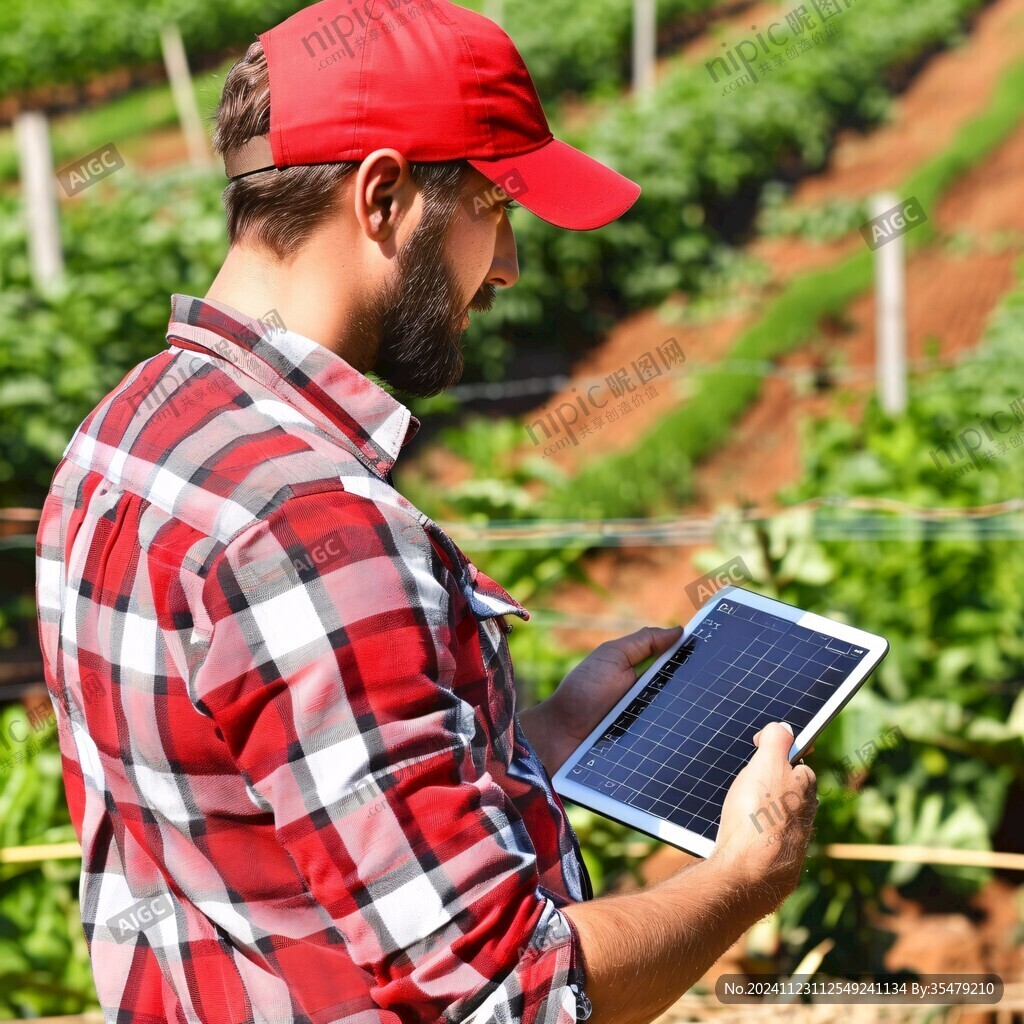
(558, 725)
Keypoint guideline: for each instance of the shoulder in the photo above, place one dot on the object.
(222, 456)
(351, 535)
(331, 567)
(235, 476)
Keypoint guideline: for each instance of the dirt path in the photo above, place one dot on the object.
(954, 87)
(951, 295)
(925, 120)
(950, 298)
(156, 150)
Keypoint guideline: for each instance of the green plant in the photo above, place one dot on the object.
(44, 966)
(568, 46)
(950, 606)
(654, 476)
(127, 248)
(827, 222)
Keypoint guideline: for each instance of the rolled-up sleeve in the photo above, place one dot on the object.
(330, 673)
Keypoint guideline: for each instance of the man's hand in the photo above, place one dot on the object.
(643, 949)
(558, 725)
(768, 819)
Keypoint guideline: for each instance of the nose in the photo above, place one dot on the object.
(504, 270)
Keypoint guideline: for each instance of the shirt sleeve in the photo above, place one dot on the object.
(330, 670)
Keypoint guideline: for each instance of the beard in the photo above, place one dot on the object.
(414, 322)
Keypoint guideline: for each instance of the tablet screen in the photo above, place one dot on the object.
(675, 749)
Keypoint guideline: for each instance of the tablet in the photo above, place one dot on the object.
(662, 760)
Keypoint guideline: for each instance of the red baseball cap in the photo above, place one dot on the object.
(435, 81)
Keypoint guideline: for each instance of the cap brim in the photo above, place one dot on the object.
(562, 185)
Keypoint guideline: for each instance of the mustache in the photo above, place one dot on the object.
(484, 298)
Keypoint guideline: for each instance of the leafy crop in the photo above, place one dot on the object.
(951, 608)
(72, 41)
(60, 353)
(129, 243)
(44, 967)
(609, 485)
(827, 222)
(566, 45)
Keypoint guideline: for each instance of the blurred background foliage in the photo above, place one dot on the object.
(716, 172)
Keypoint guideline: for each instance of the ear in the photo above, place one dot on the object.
(384, 193)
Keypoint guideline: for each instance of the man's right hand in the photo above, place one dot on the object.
(643, 949)
(768, 819)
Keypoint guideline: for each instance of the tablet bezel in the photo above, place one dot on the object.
(875, 647)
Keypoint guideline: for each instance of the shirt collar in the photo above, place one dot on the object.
(310, 377)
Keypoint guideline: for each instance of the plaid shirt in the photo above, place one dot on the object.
(286, 710)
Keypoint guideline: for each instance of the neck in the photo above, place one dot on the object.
(304, 293)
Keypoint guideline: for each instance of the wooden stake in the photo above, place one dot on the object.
(645, 24)
(495, 10)
(39, 189)
(838, 851)
(890, 316)
(926, 855)
(184, 95)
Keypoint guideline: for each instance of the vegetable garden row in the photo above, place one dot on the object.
(695, 150)
(951, 685)
(952, 681)
(568, 47)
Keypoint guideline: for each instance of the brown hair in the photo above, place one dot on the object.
(279, 209)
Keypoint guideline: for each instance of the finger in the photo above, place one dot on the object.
(807, 785)
(774, 741)
(804, 774)
(647, 641)
(757, 735)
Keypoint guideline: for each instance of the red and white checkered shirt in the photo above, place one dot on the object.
(286, 710)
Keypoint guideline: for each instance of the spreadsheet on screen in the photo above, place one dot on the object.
(676, 747)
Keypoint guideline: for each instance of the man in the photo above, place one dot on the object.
(284, 697)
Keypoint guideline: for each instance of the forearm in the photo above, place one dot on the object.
(642, 950)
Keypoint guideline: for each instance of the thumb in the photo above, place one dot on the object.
(647, 641)
(774, 741)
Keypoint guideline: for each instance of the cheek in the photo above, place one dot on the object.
(473, 253)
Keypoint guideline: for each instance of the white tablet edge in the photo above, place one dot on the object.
(874, 646)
